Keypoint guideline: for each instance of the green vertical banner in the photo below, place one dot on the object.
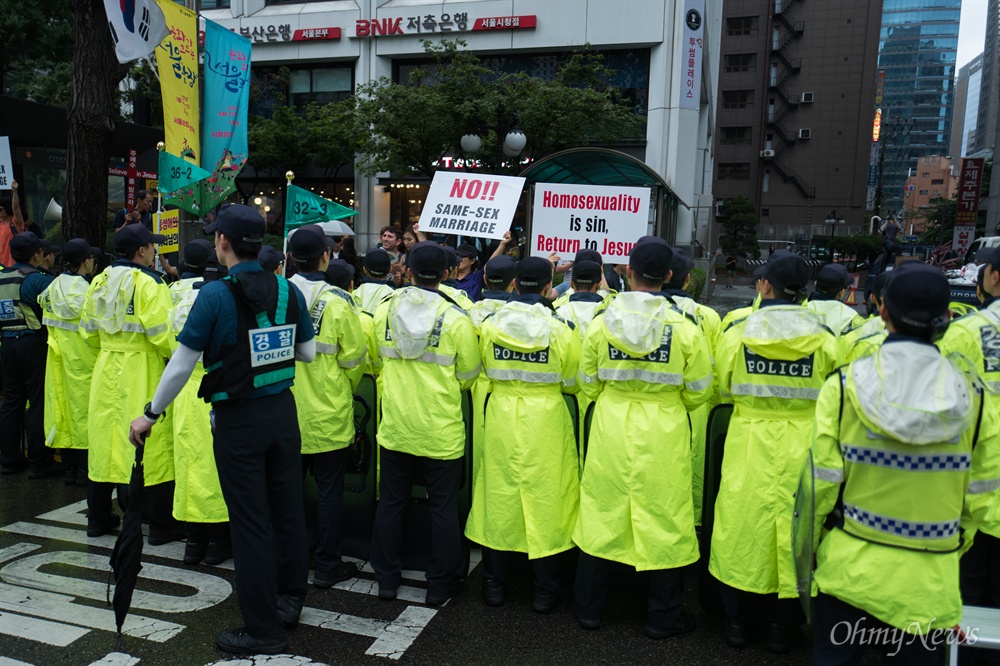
(304, 207)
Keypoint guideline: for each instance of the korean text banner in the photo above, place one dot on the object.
(177, 65)
(567, 218)
(304, 207)
(690, 55)
(166, 223)
(478, 205)
(227, 101)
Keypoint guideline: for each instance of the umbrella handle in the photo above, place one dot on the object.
(140, 449)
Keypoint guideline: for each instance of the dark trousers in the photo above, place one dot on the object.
(841, 633)
(980, 569)
(257, 453)
(73, 459)
(22, 360)
(740, 604)
(329, 468)
(546, 569)
(666, 592)
(99, 500)
(443, 478)
(207, 532)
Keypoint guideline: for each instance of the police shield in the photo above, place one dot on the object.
(803, 524)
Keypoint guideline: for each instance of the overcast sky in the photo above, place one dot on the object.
(972, 33)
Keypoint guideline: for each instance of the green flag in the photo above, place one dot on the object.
(304, 207)
(177, 173)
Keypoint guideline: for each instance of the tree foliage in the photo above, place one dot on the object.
(739, 229)
(410, 127)
(863, 246)
(36, 52)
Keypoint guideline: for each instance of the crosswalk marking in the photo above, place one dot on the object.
(41, 631)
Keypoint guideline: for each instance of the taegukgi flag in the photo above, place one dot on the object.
(137, 26)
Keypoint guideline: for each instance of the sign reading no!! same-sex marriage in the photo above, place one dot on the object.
(567, 218)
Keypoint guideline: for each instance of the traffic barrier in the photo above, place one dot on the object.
(852, 299)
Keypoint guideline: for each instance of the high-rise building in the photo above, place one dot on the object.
(918, 44)
(989, 91)
(793, 130)
(963, 130)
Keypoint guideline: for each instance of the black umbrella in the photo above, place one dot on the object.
(126, 557)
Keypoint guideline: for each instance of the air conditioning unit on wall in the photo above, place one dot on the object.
(805, 133)
(806, 98)
(767, 154)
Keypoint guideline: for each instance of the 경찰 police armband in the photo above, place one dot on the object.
(272, 345)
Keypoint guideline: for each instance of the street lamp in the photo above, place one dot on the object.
(512, 145)
(833, 220)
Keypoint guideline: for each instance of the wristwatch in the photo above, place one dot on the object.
(147, 411)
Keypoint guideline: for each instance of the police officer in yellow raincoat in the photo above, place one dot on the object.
(771, 365)
(896, 461)
(324, 396)
(126, 313)
(646, 364)
(197, 253)
(374, 286)
(976, 337)
(583, 304)
(430, 355)
(499, 278)
(832, 282)
(867, 337)
(69, 365)
(198, 500)
(526, 490)
(740, 314)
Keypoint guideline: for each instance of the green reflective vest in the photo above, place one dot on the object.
(15, 315)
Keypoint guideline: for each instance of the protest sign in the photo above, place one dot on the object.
(6, 165)
(167, 224)
(462, 204)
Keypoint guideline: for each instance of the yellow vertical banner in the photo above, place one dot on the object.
(177, 65)
(166, 223)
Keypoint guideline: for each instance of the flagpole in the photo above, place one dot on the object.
(289, 177)
(160, 147)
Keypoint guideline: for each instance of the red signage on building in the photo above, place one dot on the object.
(313, 34)
(968, 191)
(505, 23)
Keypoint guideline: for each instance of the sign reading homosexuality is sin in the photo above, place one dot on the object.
(465, 204)
(568, 218)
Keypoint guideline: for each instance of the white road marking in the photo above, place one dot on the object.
(7, 661)
(40, 631)
(16, 551)
(265, 660)
(71, 513)
(401, 632)
(116, 659)
(368, 586)
(209, 589)
(60, 607)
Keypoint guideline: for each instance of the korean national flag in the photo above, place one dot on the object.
(137, 27)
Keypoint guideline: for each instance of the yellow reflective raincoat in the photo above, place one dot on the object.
(430, 354)
(197, 494)
(126, 313)
(835, 315)
(368, 295)
(771, 366)
(457, 295)
(526, 490)
(739, 314)
(324, 389)
(903, 457)
(69, 363)
(862, 340)
(181, 287)
(976, 337)
(646, 364)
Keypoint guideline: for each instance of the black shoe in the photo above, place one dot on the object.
(387, 593)
(82, 481)
(218, 552)
(14, 467)
(588, 624)
(683, 625)
(100, 526)
(779, 636)
(160, 535)
(492, 592)
(238, 641)
(44, 470)
(343, 571)
(441, 598)
(543, 601)
(194, 552)
(736, 632)
(289, 609)
(69, 477)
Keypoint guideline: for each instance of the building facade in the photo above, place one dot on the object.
(796, 92)
(332, 47)
(918, 44)
(935, 177)
(967, 87)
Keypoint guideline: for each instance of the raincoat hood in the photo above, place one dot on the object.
(65, 296)
(311, 289)
(525, 327)
(635, 320)
(911, 393)
(415, 319)
(112, 296)
(784, 332)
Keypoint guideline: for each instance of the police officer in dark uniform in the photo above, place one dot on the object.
(22, 356)
(251, 326)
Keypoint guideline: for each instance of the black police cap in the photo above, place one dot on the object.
(238, 223)
(269, 258)
(832, 278)
(680, 264)
(534, 272)
(428, 260)
(378, 262)
(197, 254)
(307, 243)
(918, 296)
(78, 250)
(339, 273)
(499, 271)
(467, 250)
(131, 237)
(651, 260)
(587, 272)
(788, 274)
(586, 254)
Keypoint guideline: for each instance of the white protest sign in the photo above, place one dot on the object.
(462, 204)
(6, 165)
(567, 218)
